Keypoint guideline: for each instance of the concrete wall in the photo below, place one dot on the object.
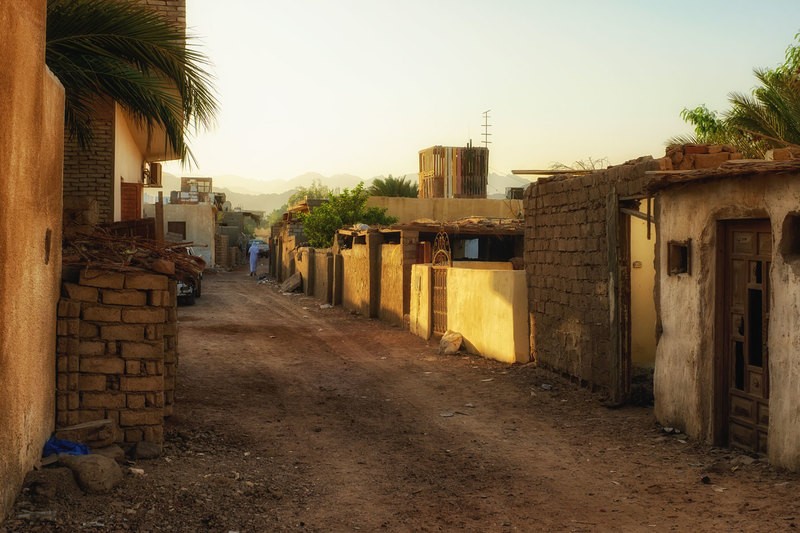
(445, 209)
(420, 317)
(484, 265)
(684, 384)
(567, 264)
(200, 225)
(489, 309)
(31, 165)
(391, 284)
(322, 282)
(356, 279)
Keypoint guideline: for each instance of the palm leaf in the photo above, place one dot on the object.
(126, 52)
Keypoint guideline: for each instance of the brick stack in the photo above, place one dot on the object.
(697, 156)
(117, 353)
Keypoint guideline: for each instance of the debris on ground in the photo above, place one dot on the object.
(450, 343)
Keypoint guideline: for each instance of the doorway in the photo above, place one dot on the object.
(743, 372)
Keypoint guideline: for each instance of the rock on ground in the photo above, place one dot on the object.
(94, 473)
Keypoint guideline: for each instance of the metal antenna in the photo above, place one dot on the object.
(486, 134)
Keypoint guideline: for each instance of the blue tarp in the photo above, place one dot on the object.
(56, 446)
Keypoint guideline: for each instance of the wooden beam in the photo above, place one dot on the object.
(637, 214)
(552, 172)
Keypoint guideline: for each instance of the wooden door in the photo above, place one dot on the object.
(745, 361)
(131, 201)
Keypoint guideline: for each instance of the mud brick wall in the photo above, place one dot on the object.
(117, 352)
(566, 258)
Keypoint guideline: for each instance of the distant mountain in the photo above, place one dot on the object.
(255, 202)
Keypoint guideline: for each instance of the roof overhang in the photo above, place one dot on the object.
(662, 179)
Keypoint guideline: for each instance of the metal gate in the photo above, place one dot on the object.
(439, 298)
(442, 260)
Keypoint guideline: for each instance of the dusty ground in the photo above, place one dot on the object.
(293, 417)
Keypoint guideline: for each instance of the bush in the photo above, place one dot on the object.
(340, 211)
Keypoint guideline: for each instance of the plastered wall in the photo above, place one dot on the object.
(684, 384)
(31, 164)
(489, 309)
(200, 225)
(446, 209)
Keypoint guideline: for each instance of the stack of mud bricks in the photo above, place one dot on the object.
(699, 156)
(117, 353)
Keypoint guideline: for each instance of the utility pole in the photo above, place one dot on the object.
(486, 134)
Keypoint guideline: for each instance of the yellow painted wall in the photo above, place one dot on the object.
(484, 265)
(445, 209)
(31, 172)
(643, 304)
(489, 308)
(420, 319)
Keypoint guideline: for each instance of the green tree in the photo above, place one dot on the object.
(342, 210)
(276, 215)
(129, 53)
(317, 190)
(391, 186)
(767, 118)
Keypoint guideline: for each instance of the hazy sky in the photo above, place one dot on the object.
(359, 87)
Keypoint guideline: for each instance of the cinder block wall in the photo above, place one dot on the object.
(566, 258)
(117, 353)
(88, 171)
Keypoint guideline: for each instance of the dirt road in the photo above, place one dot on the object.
(294, 417)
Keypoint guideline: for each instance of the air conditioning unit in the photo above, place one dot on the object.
(152, 175)
(515, 193)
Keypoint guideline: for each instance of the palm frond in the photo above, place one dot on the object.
(126, 52)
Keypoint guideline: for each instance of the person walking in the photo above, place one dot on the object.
(253, 253)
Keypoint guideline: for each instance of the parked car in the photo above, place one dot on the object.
(191, 287)
(263, 247)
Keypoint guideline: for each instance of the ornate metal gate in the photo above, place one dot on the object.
(442, 261)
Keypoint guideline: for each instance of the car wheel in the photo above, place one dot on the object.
(187, 299)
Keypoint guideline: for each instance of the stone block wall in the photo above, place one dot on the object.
(117, 352)
(567, 270)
